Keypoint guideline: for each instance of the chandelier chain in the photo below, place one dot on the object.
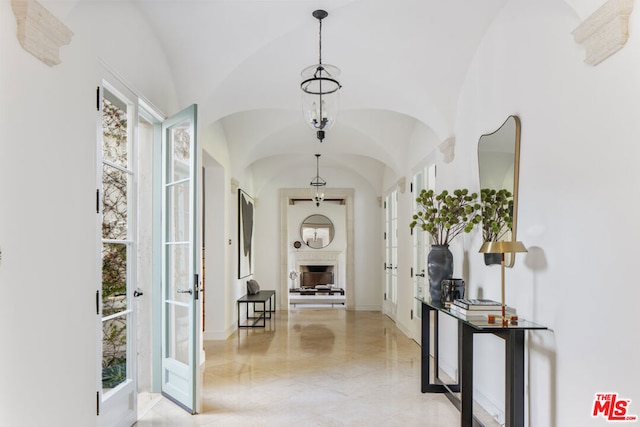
(320, 42)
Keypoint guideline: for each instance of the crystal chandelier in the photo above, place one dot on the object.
(318, 182)
(320, 88)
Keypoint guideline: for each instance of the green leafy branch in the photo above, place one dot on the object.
(446, 215)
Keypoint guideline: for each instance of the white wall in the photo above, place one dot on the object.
(49, 271)
(578, 195)
(218, 301)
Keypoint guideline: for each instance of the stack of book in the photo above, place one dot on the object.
(478, 309)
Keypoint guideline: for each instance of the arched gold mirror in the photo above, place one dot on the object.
(317, 231)
(498, 164)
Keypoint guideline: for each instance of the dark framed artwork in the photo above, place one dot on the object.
(246, 210)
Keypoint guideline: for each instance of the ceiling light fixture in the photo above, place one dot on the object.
(320, 88)
(318, 182)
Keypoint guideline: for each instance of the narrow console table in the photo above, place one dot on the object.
(259, 317)
(512, 334)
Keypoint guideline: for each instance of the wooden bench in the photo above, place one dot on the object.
(257, 318)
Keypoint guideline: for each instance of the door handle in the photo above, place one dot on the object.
(137, 293)
(420, 274)
(185, 291)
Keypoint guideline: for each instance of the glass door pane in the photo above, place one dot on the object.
(424, 179)
(117, 213)
(179, 285)
(394, 248)
(391, 257)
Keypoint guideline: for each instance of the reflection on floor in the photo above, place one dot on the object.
(313, 367)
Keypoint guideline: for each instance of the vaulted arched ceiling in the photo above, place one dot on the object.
(403, 63)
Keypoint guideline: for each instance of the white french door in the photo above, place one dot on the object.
(424, 178)
(180, 283)
(390, 303)
(116, 208)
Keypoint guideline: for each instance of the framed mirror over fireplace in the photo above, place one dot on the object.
(317, 231)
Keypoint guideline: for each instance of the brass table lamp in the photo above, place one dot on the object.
(502, 247)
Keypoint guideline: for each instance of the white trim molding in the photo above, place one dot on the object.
(39, 32)
(606, 31)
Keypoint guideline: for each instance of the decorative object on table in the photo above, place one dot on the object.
(497, 219)
(245, 234)
(485, 313)
(452, 289)
(293, 275)
(477, 304)
(444, 216)
(439, 268)
(503, 247)
(320, 87)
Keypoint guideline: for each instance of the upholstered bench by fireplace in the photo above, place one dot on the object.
(317, 295)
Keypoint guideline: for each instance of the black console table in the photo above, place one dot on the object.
(512, 334)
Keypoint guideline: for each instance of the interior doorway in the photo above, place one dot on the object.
(287, 197)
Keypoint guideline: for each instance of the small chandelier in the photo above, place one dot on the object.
(318, 182)
(320, 88)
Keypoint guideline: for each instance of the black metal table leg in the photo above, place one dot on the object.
(514, 379)
(466, 376)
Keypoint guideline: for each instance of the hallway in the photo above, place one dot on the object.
(316, 367)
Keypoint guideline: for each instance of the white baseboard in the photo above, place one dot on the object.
(368, 308)
(219, 335)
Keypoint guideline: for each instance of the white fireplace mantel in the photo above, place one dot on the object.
(317, 258)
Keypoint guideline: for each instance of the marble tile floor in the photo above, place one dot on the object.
(313, 367)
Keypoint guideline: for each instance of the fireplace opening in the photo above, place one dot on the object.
(313, 276)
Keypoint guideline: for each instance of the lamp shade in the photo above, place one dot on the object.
(502, 247)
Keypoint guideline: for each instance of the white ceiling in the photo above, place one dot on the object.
(403, 63)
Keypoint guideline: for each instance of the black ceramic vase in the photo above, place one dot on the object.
(439, 267)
